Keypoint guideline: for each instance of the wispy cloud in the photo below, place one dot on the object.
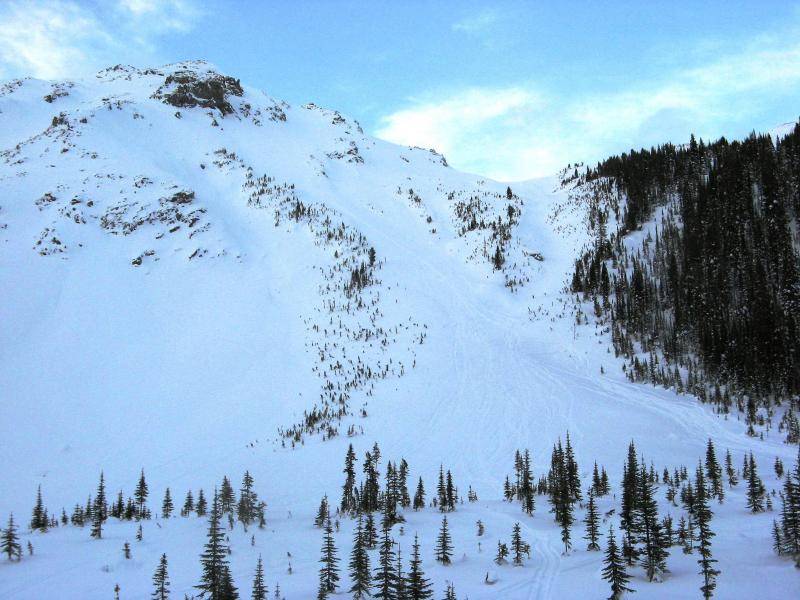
(478, 22)
(526, 131)
(45, 39)
(58, 38)
(162, 15)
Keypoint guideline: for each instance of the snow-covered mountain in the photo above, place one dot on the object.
(199, 280)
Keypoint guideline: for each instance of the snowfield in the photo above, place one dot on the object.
(178, 295)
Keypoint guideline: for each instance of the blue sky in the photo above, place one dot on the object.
(511, 90)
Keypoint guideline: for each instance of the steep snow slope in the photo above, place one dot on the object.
(177, 258)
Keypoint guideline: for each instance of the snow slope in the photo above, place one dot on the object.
(175, 297)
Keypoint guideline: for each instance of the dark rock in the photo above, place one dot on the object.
(191, 89)
(182, 197)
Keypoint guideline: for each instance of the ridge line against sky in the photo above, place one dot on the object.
(510, 90)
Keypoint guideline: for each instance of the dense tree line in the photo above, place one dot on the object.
(710, 303)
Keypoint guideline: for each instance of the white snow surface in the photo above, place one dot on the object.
(189, 363)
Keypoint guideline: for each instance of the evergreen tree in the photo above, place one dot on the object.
(188, 504)
(755, 488)
(519, 546)
(167, 505)
(441, 491)
(419, 496)
(228, 590)
(369, 497)
(348, 503)
(227, 497)
(140, 495)
(329, 571)
(391, 497)
(370, 532)
(444, 544)
(117, 509)
(498, 260)
(402, 482)
(323, 513)
(714, 472)
(502, 553)
(730, 471)
(9, 541)
(100, 504)
(78, 518)
(597, 484)
(400, 584)
(39, 518)
(98, 510)
(450, 592)
(419, 588)
(526, 491)
(614, 569)
(161, 580)
(561, 496)
(359, 564)
(777, 540)
(249, 508)
(451, 492)
(654, 553)
(130, 510)
(572, 473)
(592, 521)
(604, 480)
(385, 576)
(778, 466)
(215, 580)
(202, 505)
(508, 491)
(259, 588)
(628, 511)
(789, 538)
(702, 515)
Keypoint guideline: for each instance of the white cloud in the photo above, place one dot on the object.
(45, 39)
(523, 132)
(60, 38)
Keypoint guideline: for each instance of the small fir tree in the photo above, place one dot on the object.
(592, 522)
(161, 580)
(444, 544)
(259, 588)
(359, 564)
(614, 569)
(519, 546)
(167, 505)
(419, 496)
(140, 495)
(9, 541)
(329, 570)
(419, 588)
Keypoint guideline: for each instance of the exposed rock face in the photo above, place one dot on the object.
(186, 89)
